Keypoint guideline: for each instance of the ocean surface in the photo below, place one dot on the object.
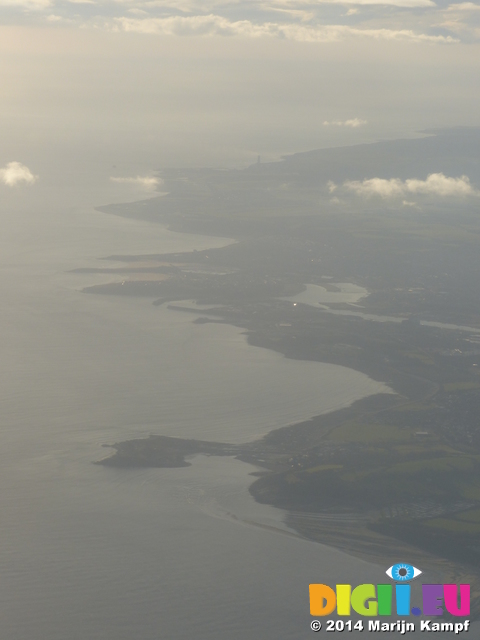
(95, 553)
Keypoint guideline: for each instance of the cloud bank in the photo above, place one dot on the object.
(354, 122)
(14, 173)
(436, 184)
(464, 6)
(26, 4)
(216, 25)
(308, 21)
(393, 3)
(145, 182)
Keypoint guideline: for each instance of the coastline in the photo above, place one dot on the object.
(348, 528)
(380, 442)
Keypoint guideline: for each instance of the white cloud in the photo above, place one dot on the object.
(26, 4)
(464, 6)
(354, 122)
(300, 14)
(15, 173)
(400, 34)
(138, 12)
(461, 18)
(203, 6)
(393, 3)
(376, 187)
(215, 25)
(193, 25)
(145, 182)
(186, 6)
(441, 185)
(436, 184)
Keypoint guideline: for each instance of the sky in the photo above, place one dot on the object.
(91, 85)
(302, 21)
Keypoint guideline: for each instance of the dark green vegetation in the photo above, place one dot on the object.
(163, 451)
(393, 472)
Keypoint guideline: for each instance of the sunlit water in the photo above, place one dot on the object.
(89, 552)
(318, 297)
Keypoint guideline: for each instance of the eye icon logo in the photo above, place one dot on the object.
(380, 599)
(403, 572)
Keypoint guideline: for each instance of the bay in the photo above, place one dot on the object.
(101, 553)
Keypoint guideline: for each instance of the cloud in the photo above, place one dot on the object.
(215, 25)
(26, 4)
(145, 182)
(464, 6)
(436, 184)
(354, 122)
(301, 14)
(138, 12)
(15, 173)
(393, 3)
(441, 185)
(462, 18)
(206, 25)
(376, 187)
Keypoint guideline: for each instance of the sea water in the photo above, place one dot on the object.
(89, 552)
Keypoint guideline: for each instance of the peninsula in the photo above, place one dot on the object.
(394, 472)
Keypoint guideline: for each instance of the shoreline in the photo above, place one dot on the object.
(385, 459)
(347, 529)
(168, 451)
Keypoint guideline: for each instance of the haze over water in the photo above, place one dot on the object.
(99, 89)
(94, 552)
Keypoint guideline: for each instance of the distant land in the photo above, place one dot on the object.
(392, 473)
